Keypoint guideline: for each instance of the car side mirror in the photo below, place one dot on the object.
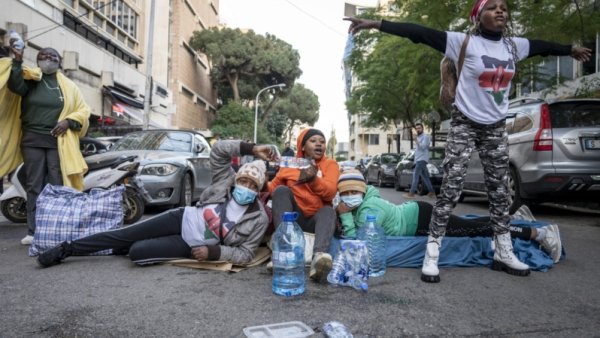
(198, 148)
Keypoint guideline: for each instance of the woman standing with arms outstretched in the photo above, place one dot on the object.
(478, 116)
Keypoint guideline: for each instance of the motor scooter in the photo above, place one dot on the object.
(105, 175)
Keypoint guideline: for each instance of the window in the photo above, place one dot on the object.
(522, 123)
(374, 139)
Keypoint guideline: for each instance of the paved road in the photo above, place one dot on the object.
(109, 297)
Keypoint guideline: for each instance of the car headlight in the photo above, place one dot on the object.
(432, 169)
(162, 169)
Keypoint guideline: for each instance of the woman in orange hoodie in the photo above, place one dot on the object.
(309, 192)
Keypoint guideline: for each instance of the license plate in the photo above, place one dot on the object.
(592, 144)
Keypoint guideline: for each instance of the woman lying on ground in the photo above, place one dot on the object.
(227, 224)
(412, 218)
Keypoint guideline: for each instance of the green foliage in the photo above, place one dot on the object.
(234, 120)
(245, 62)
(300, 106)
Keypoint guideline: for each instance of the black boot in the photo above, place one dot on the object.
(55, 255)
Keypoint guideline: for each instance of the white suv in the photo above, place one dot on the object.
(554, 152)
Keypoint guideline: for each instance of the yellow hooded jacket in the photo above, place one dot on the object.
(72, 164)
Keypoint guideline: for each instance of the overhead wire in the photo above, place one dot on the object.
(315, 18)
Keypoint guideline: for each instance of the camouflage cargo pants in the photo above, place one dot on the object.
(491, 143)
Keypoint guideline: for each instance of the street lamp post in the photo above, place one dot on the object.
(280, 85)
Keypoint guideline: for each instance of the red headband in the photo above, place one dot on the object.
(477, 8)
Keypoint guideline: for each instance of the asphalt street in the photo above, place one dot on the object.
(110, 297)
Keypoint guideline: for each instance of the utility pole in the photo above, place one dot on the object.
(149, 46)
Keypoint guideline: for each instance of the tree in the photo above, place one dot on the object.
(244, 62)
(299, 107)
(233, 120)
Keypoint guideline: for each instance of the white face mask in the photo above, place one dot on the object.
(48, 66)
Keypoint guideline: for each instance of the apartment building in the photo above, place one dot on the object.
(104, 43)
(364, 141)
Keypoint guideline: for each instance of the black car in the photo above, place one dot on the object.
(405, 168)
(381, 168)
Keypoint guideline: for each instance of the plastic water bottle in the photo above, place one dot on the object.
(337, 273)
(294, 162)
(335, 329)
(350, 266)
(19, 44)
(288, 257)
(374, 235)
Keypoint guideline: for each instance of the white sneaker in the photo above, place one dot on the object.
(505, 259)
(523, 213)
(320, 266)
(551, 242)
(430, 272)
(27, 240)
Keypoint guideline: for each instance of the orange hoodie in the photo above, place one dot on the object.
(313, 195)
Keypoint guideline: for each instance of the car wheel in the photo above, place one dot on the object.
(421, 190)
(133, 206)
(515, 200)
(185, 196)
(15, 209)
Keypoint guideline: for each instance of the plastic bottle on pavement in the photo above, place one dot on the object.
(288, 257)
(350, 267)
(337, 274)
(374, 235)
(336, 329)
(294, 162)
(19, 44)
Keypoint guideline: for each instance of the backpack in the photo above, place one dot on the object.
(450, 75)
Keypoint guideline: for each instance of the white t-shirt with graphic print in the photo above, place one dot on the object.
(485, 79)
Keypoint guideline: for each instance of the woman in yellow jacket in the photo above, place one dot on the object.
(309, 191)
(53, 116)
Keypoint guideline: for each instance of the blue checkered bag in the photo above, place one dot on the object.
(65, 214)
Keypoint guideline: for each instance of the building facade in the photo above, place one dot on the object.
(104, 44)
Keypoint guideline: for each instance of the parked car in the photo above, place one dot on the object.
(111, 140)
(362, 164)
(347, 165)
(405, 168)
(381, 168)
(174, 164)
(554, 152)
(92, 146)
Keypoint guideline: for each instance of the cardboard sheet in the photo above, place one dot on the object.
(263, 254)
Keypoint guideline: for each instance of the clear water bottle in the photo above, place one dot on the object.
(337, 274)
(374, 235)
(288, 257)
(351, 265)
(19, 44)
(294, 162)
(335, 329)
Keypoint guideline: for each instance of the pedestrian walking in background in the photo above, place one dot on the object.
(478, 115)
(53, 117)
(421, 159)
(288, 151)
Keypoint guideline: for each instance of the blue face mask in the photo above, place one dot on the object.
(352, 201)
(243, 195)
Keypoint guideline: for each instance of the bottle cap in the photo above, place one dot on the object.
(289, 216)
(371, 218)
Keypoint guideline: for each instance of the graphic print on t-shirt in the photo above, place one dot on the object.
(496, 78)
(213, 222)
